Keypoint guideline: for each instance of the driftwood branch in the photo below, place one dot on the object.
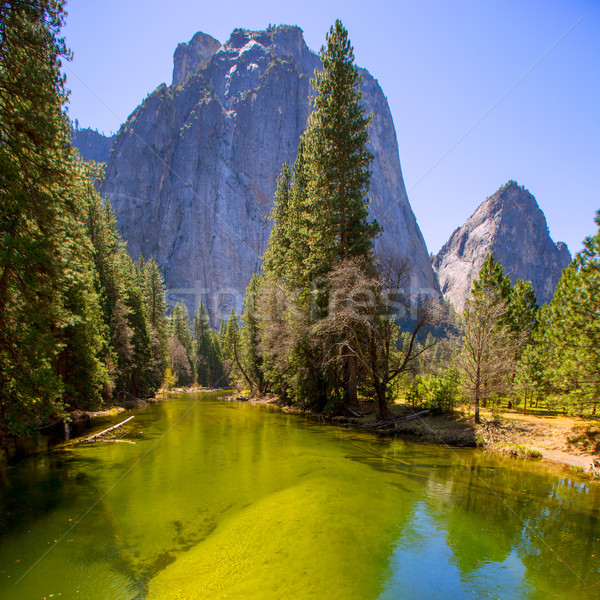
(99, 436)
(395, 422)
(354, 414)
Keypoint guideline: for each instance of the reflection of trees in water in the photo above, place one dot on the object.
(38, 485)
(571, 531)
(552, 524)
(494, 511)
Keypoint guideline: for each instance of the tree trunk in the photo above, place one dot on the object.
(383, 410)
(350, 394)
(477, 419)
(239, 364)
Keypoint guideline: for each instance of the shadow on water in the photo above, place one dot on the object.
(35, 487)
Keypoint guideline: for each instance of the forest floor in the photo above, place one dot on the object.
(574, 441)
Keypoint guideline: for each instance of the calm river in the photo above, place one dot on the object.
(229, 500)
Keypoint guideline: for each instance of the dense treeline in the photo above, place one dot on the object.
(81, 324)
(561, 364)
(511, 351)
(51, 331)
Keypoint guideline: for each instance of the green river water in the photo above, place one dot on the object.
(231, 500)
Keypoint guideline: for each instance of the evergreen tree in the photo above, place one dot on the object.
(523, 310)
(320, 218)
(222, 332)
(250, 338)
(216, 364)
(83, 340)
(181, 344)
(131, 358)
(299, 224)
(136, 379)
(154, 292)
(337, 160)
(569, 332)
(491, 278)
(532, 378)
(276, 255)
(231, 337)
(232, 352)
(50, 332)
(203, 346)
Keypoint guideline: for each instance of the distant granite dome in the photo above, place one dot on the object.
(91, 144)
(511, 226)
(193, 170)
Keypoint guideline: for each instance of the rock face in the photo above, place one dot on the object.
(93, 145)
(193, 170)
(511, 226)
(191, 57)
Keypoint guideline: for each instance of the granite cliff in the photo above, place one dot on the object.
(193, 170)
(511, 226)
(92, 145)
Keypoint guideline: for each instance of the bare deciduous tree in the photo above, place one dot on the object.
(180, 363)
(362, 324)
(486, 362)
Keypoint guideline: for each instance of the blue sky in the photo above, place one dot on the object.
(481, 91)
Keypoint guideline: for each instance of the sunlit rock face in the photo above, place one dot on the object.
(193, 170)
(511, 226)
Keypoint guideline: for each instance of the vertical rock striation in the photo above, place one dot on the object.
(193, 170)
(511, 226)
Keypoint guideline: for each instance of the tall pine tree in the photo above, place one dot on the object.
(337, 160)
(569, 332)
(181, 344)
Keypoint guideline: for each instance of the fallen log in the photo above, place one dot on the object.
(98, 436)
(354, 414)
(395, 422)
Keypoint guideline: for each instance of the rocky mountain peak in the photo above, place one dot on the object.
(282, 40)
(511, 226)
(194, 55)
(194, 169)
